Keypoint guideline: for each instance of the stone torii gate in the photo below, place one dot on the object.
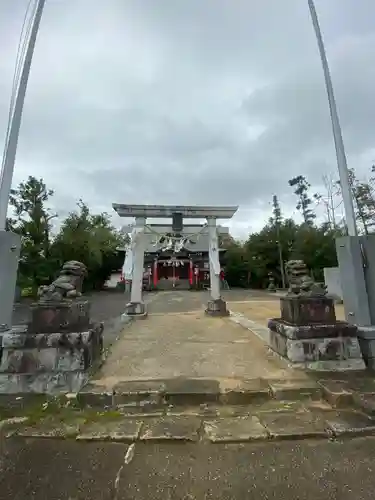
(176, 240)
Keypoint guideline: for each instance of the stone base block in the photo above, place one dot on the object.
(366, 337)
(135, 309)
(217, 307)
(67, 316)
(300, 310)
(42, 383)
(300, 332)
(46, 362)
(318, 350)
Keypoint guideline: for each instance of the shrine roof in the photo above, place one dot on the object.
(164, 211)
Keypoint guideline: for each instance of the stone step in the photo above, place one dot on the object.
(194, 392)
(195, 410)
(148, 397)
(273, 420)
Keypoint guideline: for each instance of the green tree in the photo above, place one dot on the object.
(276, 220)
(91, 239)
(31, 219)
(236, 264)
(363, 194)
(330, 199)
(304, 201)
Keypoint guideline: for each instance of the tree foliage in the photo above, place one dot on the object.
(31, 219)
(364, 201)
(304, 201)
(90, 238)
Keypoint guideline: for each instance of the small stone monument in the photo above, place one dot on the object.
(308, 334)
(271, 283)
(57, 349)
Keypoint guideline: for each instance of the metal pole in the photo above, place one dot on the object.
(14, 129)
(337, 135)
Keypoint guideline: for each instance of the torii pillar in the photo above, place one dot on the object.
(216, 305)
(136, 305)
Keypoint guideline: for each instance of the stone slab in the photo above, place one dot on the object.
(293, 426)
(16, 339)
(295, 389)
(170, 428)
(246, 392)
(366, 403)
(346, 365)
(121, 430)
(95, 396)
(139, 392)
(43, 360)
(300, 332)
(349, 423)
(29, 353)
(320, 349)
(363, 385)
(337, 393)
(307, 310)
(189, 391)
(235, 430)
(51, 428)
(276, 406)
(49, 383)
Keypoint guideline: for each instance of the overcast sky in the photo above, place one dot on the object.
(189, 101)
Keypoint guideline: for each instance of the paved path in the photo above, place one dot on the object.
(304, 470)
(177, 339)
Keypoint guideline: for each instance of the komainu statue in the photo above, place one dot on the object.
(68, 285)
(300, 282)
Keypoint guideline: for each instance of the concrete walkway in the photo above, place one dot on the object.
(190, 345)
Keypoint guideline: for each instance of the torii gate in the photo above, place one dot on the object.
(175, 241)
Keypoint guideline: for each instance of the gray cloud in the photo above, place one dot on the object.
(189, 102)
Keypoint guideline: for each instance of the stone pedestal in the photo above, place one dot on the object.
(55, 353)
(217, 308)
(308, 335)
(301, 310)
(10, 244)
(64, 316)
(48, 362)
(135, 309)
(366, 338)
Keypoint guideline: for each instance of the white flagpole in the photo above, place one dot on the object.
(15, 124)
(337, 135)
